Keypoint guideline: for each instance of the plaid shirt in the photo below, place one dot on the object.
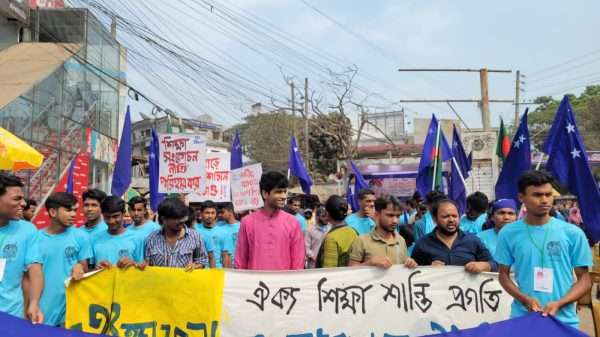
(187, 249)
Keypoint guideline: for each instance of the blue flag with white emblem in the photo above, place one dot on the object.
(461, 167)
(517, 162)
(297, 168)
(153, 164)
(70, 177)
(568, 163)
(359, 184)
(236, 152)
(435, 151)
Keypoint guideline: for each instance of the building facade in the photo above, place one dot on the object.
(74, 104)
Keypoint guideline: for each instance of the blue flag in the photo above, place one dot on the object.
(153, 163)
(514, 327)
(435, 151)
(297, 168)
(18, 327)
(517, 162)
(70, 183)
(461, 167)
(236, 152)
(121, 178)
(568, 163)
(359, 184)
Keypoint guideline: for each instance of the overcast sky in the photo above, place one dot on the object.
(553, 43)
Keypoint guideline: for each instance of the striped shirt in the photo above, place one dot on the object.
(187, 249)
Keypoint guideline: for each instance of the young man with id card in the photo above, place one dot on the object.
(543, 252)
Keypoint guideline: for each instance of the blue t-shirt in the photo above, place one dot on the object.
(302, 220)
(565, 248)
(472, 226)
(218, 238)
(489, 237)
(424, 226)
(232, 230)
(19, 246)
(100, 227)
(112, 248)
(145, 229)
(60, 252)
(362, 225)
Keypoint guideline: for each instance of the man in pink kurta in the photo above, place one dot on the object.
(270, 238)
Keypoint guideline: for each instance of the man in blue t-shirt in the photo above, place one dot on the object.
(92, 199)
(475, 215)
(295, 205)
(138, 208)
(544, 253)
(117, 245)
(230, 224)
(362, 221)
(65, 252)
(19, 254)
(503, 212)
(221, 241)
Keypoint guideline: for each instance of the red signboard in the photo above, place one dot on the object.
(80, 184)
(33, 4)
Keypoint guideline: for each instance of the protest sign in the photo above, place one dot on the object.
(182, 163)
(218, 179)
(319, 302)
(245, 188)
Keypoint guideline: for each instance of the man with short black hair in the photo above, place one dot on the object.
(383, 247)
(209, 230)
(19, 254)
(270, 239)
(65, 253)
(426, 224)
(475, 215)
(175, 245)
(545, 254)
(116, 245)
(361, 221)
(447, 245)
(230, 224)
(138, 209)
(92, 199)
(29, 210)
(295, 205)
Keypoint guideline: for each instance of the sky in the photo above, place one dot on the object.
(552, 43)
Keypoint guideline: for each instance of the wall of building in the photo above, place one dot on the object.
(74, 109)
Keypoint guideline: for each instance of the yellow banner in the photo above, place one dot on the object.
(161, 302)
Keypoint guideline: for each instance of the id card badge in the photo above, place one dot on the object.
(543, 279)
(2, 268)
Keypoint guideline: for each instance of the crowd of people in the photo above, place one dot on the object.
(548, 256)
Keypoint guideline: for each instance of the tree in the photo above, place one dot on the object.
(587, 111)
(326, 148)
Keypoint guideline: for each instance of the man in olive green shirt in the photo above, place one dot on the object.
(383, 246)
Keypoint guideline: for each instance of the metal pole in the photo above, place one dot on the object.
(306, 143)
(485, 99)
(517, 97)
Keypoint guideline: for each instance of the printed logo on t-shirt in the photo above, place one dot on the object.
(123, 253)
(553, 248)
(10, 251)
(70, 253)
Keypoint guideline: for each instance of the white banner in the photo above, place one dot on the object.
(245, 188)
(360, 302)
(182, 163)
(218, 179)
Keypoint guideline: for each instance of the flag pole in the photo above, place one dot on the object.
(460, 175)
(539, 163)
(435, 164)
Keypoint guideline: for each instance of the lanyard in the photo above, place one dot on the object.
(540, 249)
